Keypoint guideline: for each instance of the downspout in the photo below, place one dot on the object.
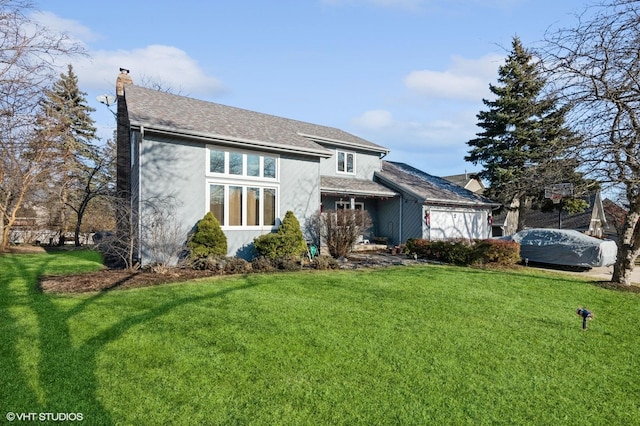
(139, 158)
(400, 222)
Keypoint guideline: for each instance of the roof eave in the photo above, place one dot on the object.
(232, 141)
(358, 192)
(461, 202)
(321, 139)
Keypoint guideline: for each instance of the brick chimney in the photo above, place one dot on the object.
(122, 80)
(123, 161)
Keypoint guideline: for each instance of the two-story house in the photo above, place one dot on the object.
(250, 168)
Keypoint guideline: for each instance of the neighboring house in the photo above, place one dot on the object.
(249, 169)
(593, 221)
(469, 181)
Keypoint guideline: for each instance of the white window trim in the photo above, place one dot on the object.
(244, 175)
(244, 184)
(346, 153)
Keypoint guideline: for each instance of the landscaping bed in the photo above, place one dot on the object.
(111, 279)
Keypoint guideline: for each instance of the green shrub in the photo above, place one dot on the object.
(287, 241)
(207, 239)
(458, 252)
(498, 252)
(463, 252)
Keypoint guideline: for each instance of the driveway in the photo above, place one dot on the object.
(604, 273)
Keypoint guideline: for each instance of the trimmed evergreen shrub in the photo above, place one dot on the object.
(287, 241)
(207, 239)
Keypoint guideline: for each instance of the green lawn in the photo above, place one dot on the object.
(404, 345)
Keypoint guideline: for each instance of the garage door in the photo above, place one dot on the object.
(451, 224)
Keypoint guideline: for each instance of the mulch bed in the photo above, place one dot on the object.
(112, 279)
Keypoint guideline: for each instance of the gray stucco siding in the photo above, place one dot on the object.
(412, 219)
(176, 170)
(299, 186)
(298, 191)
(389, 219)
(171, 173)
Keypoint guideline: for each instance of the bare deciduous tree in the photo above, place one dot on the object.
(28, 53)
(596, 65)
(164, 238)
(340, 229)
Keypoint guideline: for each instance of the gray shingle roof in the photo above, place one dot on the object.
(171, 113)
(426, 187)
(348, 186)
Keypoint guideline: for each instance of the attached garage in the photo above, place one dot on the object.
(433, 208)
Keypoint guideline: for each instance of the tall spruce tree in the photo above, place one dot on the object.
(524, 136)
(76, 157)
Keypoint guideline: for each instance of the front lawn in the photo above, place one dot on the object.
(399, 345)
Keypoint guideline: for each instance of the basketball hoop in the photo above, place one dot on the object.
(555, 198)
(558, 191)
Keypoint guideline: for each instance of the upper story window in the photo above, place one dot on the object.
(346, 162)
(242, 164)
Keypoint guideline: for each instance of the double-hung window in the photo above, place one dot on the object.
(346, 162)
(242, 187)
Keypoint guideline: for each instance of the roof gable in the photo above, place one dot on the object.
(171, 113)
(426, 187)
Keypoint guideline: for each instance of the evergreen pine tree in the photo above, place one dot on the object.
(75, 155)
(524, 135)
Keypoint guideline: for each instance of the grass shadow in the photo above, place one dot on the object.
(58, 375)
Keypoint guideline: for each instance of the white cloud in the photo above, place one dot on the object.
(374, 119)
(168, 66)
(466, 79)
(73, 29)
(382, 127)
(436, 144)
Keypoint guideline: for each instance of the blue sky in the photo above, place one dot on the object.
(406, 74)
